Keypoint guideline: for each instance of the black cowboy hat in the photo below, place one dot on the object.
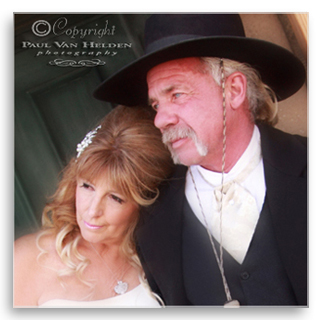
(175, 36)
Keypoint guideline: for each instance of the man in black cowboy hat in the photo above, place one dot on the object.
(231, 226)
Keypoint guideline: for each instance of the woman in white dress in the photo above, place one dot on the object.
(84, 255)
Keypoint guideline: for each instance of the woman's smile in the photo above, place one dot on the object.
(91, 226)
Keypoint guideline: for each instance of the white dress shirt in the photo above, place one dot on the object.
(237, 225)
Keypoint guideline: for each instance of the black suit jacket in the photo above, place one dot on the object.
(159, 235)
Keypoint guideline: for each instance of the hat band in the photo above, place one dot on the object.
(169, 41)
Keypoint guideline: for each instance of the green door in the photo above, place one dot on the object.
(54, 107)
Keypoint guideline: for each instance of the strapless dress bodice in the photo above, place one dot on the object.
(138, 297)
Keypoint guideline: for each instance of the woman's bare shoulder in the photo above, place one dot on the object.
(28, 248)
(25, 242)
(28, 245)
(28, 272)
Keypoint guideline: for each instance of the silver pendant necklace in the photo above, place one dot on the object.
(121, 287)
(230, 303)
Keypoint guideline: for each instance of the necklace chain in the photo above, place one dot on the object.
(121, 287)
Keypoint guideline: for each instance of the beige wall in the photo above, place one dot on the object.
(293, 112)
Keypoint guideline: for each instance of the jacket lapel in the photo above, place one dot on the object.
(285, 174)
(162, 255)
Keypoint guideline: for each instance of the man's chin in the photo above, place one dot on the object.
(175, 157)
(185, 159)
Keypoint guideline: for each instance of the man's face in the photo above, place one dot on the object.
(189, 111)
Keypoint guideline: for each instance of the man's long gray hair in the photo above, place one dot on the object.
(263, 104)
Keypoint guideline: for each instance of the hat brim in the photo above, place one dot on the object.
(279, 68)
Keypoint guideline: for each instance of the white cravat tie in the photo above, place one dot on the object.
(240, 214)
(243, 196)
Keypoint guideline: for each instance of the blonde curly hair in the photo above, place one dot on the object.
(128, 152)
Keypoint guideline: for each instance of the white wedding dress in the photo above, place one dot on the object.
(138, 297)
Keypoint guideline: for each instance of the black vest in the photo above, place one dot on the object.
(259, 280)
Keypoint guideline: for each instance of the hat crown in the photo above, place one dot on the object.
(177, 36)
(162, 30)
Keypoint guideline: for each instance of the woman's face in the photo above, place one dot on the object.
(103, 214)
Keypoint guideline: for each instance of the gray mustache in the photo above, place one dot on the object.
(174, 133)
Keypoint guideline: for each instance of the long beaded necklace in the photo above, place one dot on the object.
(230, 303)
(121, 287)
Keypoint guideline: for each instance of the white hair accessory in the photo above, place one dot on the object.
(86, 141)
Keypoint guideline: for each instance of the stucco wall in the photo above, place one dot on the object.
(293, 112)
